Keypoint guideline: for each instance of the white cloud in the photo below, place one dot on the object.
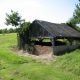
(28, 9)
(48, 10)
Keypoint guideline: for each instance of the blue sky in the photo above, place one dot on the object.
(56, 11)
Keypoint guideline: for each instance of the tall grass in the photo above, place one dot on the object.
(69, 63)
(14, 67)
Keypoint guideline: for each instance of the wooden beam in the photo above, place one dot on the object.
(70, 40)
(41, 37)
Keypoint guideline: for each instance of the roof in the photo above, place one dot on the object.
(59, 30)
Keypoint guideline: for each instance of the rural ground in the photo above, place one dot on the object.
(18, 65)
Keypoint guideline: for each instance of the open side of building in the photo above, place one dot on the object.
(51, 37)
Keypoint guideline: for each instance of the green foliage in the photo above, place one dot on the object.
(76, 13)
(11, 30)
(13, 19)
(23, 27)
(4, 31)
(23, 34)
(76, 17)
(31, 47)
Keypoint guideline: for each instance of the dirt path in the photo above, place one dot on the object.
(47, 58)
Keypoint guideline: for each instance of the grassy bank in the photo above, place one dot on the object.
(69, 63)
(14, 67)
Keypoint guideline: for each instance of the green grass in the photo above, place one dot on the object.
(7, 41)
(69, 63)
(14, 67)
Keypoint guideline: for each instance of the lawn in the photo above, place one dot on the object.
(14, 67)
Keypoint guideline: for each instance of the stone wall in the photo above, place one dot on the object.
(39, 49)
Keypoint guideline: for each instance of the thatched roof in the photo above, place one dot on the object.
(58, 30)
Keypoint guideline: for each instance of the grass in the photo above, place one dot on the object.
(69, 63)
(14, 67)
(7, 41)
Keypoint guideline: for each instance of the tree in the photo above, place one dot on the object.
(76, 17)
(0, 31)
(14, 19)
(10, 30)
(76, 14)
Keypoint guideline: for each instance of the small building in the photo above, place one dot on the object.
(51, 37)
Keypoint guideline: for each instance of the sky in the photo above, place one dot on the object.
(56, 11)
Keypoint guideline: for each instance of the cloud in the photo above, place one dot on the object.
(48, 10)
(28, 9)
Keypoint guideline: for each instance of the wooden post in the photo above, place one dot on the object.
(53, 44)
(71, 41)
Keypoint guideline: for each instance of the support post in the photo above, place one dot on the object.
(71, 41)
(53, 44)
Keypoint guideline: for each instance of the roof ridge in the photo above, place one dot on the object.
(46, 21)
